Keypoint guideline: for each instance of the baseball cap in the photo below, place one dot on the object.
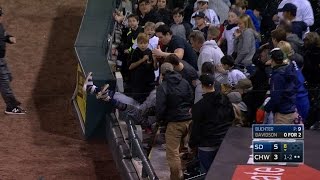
(203, 1)
(207, 79)
(165, 67)
(289, 7)
(199, 14)
(277, 55)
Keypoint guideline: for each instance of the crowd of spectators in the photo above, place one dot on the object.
(214, 64)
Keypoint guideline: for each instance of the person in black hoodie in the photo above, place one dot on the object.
(13, 105)
(146, 13)
(164, 12)
(174, 99)
(212, 117)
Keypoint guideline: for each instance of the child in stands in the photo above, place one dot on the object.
(127, 40)
(141, 67)
(149, 29)
(228, 33)
(200, 23)
(234, 75)
(179, 27)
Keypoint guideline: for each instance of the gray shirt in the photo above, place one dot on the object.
(179, 30)
(245, 46)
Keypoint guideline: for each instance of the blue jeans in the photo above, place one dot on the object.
(5, 89)
(206, 158)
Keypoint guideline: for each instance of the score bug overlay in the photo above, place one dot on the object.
(274, 131)
(277, 144)
(278, 151)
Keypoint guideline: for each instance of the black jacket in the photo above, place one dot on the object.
(165, 15)
(152, 16)
(174, 99)
(311, 69)
(4, 38)
(211, 118)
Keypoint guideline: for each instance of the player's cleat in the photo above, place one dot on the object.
(88, 85)
(16, 110)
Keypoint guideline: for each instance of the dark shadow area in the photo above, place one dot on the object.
(55, 86)
(101, 156)
(57, 77)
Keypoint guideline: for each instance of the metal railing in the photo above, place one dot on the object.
(135, 145)
(137, 150)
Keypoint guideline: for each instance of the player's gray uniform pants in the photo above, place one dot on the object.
(135, 110)
(5, 90)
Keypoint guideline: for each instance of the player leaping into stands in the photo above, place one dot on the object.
(138, 112)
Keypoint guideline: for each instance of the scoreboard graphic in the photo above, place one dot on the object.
(273, 144)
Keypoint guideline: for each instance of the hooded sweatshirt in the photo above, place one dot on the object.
(283, 90)
(211, 118)
(211, 52)
(174, 98)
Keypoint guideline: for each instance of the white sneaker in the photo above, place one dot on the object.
(17, 110)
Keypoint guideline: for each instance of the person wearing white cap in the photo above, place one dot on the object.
(211, 15)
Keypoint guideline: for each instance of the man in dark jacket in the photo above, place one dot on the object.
(174, 99)
(289, 13)
(212, 116)
(282, 89)
(13, 105)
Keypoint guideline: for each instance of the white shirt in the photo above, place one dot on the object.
(304, 10)
(153, 43)
(228, 36)
(234, 76)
